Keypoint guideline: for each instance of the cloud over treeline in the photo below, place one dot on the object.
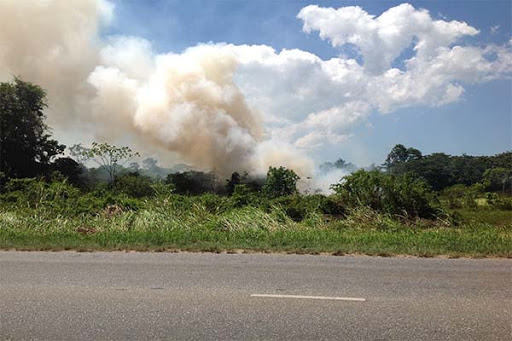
(231, 107)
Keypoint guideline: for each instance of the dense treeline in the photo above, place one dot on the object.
(441, 170)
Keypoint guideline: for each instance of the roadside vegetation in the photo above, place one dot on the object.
(414, 204)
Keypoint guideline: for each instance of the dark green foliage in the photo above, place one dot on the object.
(61, 198)
(253, 184)
(233, 182)
(134, 185)
(32, 192)
(214, 204)
(71, 170)
(280, 182)
(500, 202)
(461, 196)
(399, 155)
(95, 203)
(397, 195)
(442, 170)
(498, 179)
(244, 196)
(26, 147)
(192, 182)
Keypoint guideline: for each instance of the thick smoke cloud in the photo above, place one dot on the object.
(236, 107)
(119, 90)
(54, 44)
(185, 102)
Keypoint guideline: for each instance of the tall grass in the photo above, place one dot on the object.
(35, 215)
(196, 224)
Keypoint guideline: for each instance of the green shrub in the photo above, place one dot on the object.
(34, 192)
(397, 195)
(162, 189)
(298, 207)
(280, 182)
(134, 185)
(91, 204)
(242, 196)
(460, 196)
(500, 202)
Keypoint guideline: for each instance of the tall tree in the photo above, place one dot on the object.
(108, 156)
(26, 147)
(400, 155)
(280, 181)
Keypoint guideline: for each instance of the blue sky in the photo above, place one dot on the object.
(478, 123)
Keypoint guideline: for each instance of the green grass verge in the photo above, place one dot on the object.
(425, 243)
(161, 228)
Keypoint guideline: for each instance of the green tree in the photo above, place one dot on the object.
(134, 185)
(79, 153)
(110, 157)
(191, 182)
(71, 170)
(498, 178)
(26, 147)
(400, 155)
(280, 181)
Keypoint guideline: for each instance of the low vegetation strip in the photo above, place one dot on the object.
(251, 229)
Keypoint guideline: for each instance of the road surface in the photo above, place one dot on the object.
(181, 296)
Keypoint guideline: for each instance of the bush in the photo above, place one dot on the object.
(298, 207)
(499, 202)
(59, 197)
(91, 204)
(134, 185)
(386, 193)
(192, 182)
(461, 196)
(244, 196)
(280, 182)
(34, 192)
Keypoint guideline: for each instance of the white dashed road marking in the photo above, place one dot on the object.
(334, 298)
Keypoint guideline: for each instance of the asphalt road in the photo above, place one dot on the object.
(150, 296)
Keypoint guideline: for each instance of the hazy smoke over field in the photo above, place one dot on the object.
(122, 92)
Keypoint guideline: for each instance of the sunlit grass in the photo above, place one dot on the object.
(174, 227)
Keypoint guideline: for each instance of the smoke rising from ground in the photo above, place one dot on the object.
(186, 103)
(122, 92)
(230, 107)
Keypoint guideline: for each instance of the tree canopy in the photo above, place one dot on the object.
(399, 155)
(107, 156)
(280, 181)
(26, 147)
(441, 170)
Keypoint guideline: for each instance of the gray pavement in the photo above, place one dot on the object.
(180, 296)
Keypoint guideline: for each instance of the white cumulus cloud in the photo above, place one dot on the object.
(220, 105)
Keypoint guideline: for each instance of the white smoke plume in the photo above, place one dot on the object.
(186, 103)
(324, 180)
(229, 107)
(120, 90)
